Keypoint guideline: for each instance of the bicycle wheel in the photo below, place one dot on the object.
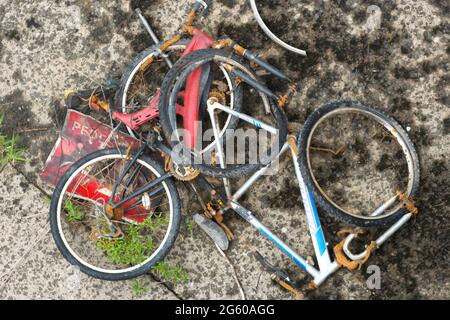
(114, 244)
(208, 164)
(142, 78)
(355, 158)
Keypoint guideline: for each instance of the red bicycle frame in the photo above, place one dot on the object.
(86, 187)
(191, 97)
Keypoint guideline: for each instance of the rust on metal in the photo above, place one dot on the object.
(114, 213)
(292, 141)
(222, 43)
(283, 101)
(239, 49)
(170, 42)
(287, 286)
(346, 231)
(188, 29)
(342, 259)
(408, 203)
(182, 173)
(146, 64)
(190, 18)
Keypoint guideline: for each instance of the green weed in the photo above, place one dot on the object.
(134, 248)
(138, 288)
(9, 151)
(172, 274)
(74, 213)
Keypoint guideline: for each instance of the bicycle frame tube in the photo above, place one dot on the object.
(125, 171)
(144, 189)
(200, 40)
(325, 265)
(212, 107)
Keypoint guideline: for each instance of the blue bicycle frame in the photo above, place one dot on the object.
(326, 266)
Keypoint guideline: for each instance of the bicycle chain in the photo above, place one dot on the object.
(189, 172)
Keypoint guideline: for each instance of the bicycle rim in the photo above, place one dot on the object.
(144, 62)
(144, 65)
(278, 122)
(359, 187)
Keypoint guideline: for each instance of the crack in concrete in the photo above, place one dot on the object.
(165, 285)
(33, 183)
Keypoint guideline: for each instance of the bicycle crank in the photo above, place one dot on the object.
(279, 276)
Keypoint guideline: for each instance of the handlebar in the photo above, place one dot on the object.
(282, 100)
(251, 82)
(227, 42)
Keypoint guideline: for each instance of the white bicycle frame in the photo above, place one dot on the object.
(326, 266)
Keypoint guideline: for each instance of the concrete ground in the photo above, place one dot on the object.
(400, 63)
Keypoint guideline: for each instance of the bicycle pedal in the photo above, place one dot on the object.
(288, 286)
(213, 230)
(269, 267)
(279, 276)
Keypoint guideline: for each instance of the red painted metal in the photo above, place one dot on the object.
(82, 135)
(135, 120)
(191, 97)
(200, 40)
(88, 187)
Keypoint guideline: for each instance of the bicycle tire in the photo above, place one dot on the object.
(328, 206)
(176, 76)
(131, 70)
(127, 77)
(165, 247)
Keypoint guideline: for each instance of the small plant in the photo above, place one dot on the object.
(138, 288)
(47, 199)
(74, 213)
(9, 152)
(134, 248)
(156, 221)
(172, 274)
